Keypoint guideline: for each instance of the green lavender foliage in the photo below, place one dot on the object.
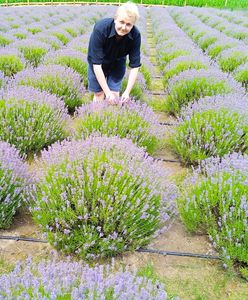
(187, 90)
(209, 133)
(217, 205)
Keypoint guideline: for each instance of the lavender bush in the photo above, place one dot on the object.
(5, 40)
(181, 64)
(10, 62)
(138, 89)
(30, 119)
(54, 279)
(2, 79)
(14, 180)
(70, 58)
(217, 203)
(59, 80)
(135, 121)
(210, 133)
(230, 59)
(191, 85)
(62, 35)
(53, 41)
(32, 50)
(101, 196)
(241, 75)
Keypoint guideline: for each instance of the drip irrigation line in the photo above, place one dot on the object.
(175, 253)
(159, 93)
(168, 124)
(167, 160)
(162, 252)
(20, 238)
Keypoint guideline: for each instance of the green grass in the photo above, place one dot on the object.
(5, 266)
(212, 282)
(201, 3)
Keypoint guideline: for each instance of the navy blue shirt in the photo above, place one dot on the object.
(104, 48)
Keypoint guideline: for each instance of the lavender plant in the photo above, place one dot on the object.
(215, 49)
(210, 133)
(70, 58)
(30, 119)
(53, 41)
(138, 89)
(181, 64)
(2, 79)
(59, 80)
(135, 121)
(147, 76)
(5, 40)
(191, 85)
(101, 196)
(241, 75)
(62, 35)
(10, 62)
(14, 179)
(54, 279)
(230, 59)
(217, 204)
(32, 50)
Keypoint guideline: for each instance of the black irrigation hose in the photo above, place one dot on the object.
(162, 252)
(167, 160)
(168, 124)
(175, 253)
(20, 238)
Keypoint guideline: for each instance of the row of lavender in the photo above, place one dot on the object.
(212, 131)
(224, 42)
(94, 196)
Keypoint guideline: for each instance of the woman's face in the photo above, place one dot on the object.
(123, 23)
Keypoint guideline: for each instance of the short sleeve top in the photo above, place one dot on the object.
(104, 48)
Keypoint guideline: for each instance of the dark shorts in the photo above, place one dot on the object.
(113, 72)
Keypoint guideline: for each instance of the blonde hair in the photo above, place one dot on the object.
(130, 8)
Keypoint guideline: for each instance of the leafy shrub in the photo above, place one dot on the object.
(20, 35)
(167, 56)
(100, 197)
(147, 76)
(241, 75)
(138, 89)
(54, 279)
(62, 35)
(30, 119)
(193, 84)
(207, 40)
(32, 50)
(34, 29)
(133, 120)
(79, 43)
(13, 181)
(230, 59)
(215, 49)
(217, 204)
(53, 41)
(180, 65)
(55, 79)
(10, 62)
(2, 79)
(5, 40)
(210, 133)
(72, 59)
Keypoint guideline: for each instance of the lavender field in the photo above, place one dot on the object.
(92, 175)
